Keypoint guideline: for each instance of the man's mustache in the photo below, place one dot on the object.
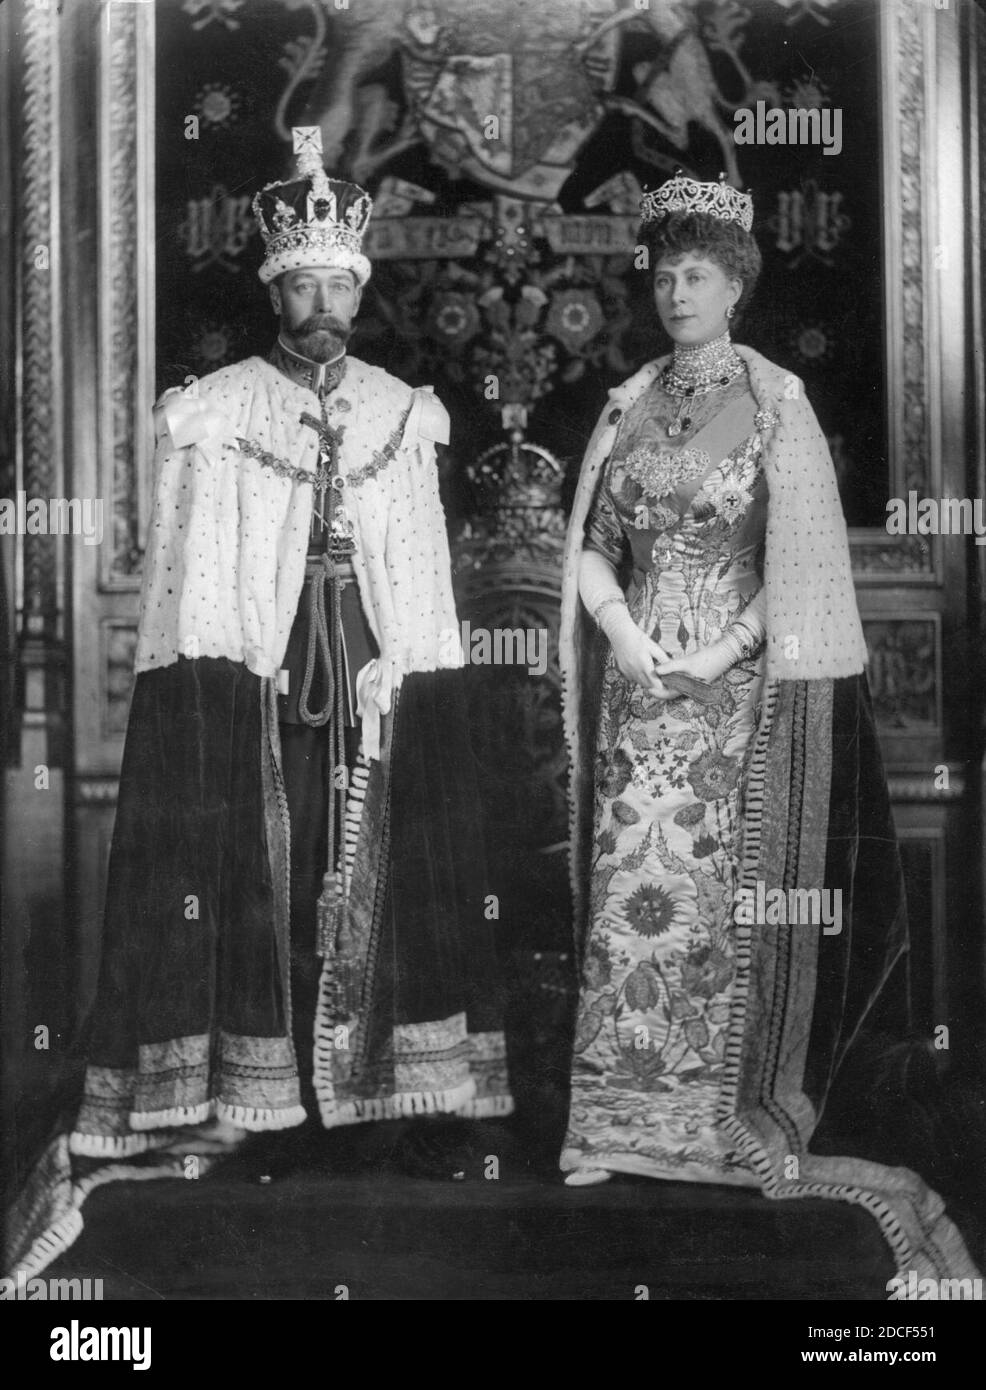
(323, 323)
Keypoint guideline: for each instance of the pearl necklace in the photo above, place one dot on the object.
(694, 371)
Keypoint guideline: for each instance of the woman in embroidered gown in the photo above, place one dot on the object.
(721, 741)
(683, 503)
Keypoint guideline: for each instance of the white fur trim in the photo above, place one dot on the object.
(481, 1107)
(397, 1106)
(252, 1118)
(177, 1115)
(108, 1146)
(315, 255)
(249, 1117)
(48, 1246)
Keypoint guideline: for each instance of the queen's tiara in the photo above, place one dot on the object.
(687, 195)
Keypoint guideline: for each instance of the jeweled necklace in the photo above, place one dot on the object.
(693, 371)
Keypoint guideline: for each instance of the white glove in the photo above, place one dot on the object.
(634, 652)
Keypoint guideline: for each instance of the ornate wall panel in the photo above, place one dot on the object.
(905, 673)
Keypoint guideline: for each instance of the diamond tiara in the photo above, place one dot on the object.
(681, 194)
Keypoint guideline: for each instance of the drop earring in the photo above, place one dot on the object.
(730, 311)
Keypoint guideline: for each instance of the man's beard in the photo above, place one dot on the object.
(320, 337)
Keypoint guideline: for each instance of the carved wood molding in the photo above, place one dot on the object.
(907, 46)
(126, 282)
(38, 271)
(909, 428)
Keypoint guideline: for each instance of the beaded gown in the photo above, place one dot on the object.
(688, 514)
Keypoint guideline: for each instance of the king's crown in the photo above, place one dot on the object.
(312, 219)
(682, 194)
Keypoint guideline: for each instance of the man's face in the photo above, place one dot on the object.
(317, 306)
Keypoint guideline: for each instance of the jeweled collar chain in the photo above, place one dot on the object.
(695, 370)
(319, 377)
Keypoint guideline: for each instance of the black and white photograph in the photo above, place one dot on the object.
(493, 600)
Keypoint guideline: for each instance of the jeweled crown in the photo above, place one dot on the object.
(681, 194)
(312, 220)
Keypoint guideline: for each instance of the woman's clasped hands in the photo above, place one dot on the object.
(643, 661)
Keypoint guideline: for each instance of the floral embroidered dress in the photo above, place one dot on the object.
(654, 1007)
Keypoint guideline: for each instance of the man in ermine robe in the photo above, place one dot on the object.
(294, 924)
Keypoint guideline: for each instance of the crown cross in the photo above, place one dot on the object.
(307, 141)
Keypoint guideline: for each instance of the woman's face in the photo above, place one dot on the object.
(692, 295)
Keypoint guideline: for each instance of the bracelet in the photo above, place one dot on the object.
(605, 604)
(750, 644)
(744, 647)
(754, 647)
